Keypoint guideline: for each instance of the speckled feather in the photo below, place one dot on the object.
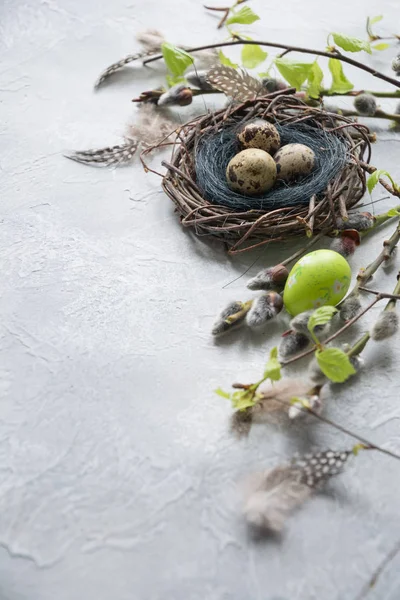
(271, 496)
(236, 84)
(152, 126)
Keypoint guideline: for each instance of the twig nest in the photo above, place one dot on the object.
(251, 172)
(293, 161)
(319, 278)
(260, 134)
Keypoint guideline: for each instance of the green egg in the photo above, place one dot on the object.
(319, 278)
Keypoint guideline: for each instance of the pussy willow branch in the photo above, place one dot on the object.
(363, 277)
(346, 326)
(335, 54)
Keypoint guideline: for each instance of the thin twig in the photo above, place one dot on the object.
(381, 294)
(372, 582)
(335, 54)
(355, 436)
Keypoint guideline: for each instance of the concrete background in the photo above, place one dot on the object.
(117, 473)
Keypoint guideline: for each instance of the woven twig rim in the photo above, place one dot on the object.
(245, 230)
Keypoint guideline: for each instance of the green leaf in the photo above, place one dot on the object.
(252, 56)
(373, 20)
(294, 72)
(173, 80)
(177, 60)
(351, 44)
(321, 316)
(244, 16)
(224, 60)
(382, 46)
(273, 366)
(243, 399)
(393, 212)
(340, 83)
(222, 393)
(335, 364)
(315, 78)
(374, 178)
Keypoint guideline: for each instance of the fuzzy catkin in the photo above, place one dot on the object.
(386, 325)
(263, 309)
(292, 343)
(365, 104)
(222, 325)
(350, 308)
(345, 246)
(396, 64)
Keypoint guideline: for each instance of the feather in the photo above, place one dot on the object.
(104, 157)
(150, 39)
(237, 84)
(271, 496)
(119, 65)
(152, 127)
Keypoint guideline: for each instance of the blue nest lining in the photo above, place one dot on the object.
(214, 151)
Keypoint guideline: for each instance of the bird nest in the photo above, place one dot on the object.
(248, 223)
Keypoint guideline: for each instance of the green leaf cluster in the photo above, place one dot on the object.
(335, 364)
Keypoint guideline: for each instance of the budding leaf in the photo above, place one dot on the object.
(340, 83)
(176, 60)
(273, 366)
(382, 46)
(223, 394)
(335, 364)
(351, 44)
(224, 60)
(374, 178)
(294, 72)
(321, 316)
(393, 212)
(356, 449)
(374, 20)
(252, 56)
(315, 78)
(243, 399)
(244, 16)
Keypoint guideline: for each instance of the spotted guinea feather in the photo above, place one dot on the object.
(119, 65)
(237, 84)
(104, 157)
(272, 495)
(152, 126)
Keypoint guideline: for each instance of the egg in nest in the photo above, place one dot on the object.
(251, 172)
(294, 161)
(260, 134)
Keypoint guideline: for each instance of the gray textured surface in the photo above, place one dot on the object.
(117, 474)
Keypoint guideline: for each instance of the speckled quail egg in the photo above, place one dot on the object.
(260, 134)
(294, 161)
(251, 172)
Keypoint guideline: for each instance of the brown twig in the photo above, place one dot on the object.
(381, 294)
(225, 10)
(300, 49)
(372, 582)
